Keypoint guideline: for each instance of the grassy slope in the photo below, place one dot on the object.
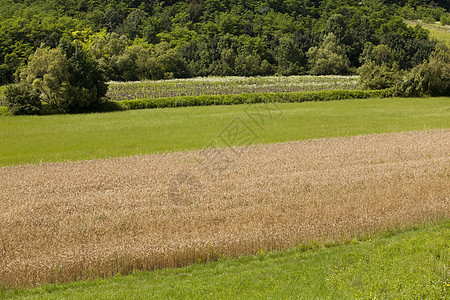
(33, 139)
(412, 264)
(437, 31)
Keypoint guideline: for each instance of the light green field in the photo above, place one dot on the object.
(33, 139)
(437, 31)
(409, 265)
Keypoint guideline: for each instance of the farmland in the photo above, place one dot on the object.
(401, 265)
(68, 221)
(225, 149)
(37, 139)
(76, 219)
(118, 91)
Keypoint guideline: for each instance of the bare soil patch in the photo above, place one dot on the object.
(67, 221)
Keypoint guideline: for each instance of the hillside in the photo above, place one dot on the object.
(437, 31)
(137, 40)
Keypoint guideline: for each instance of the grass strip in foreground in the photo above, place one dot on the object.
(407, 265)
(34, 139)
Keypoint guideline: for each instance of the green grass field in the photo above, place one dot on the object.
(34, 139)
(408, 265)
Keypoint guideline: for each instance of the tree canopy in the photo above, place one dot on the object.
(149, 39)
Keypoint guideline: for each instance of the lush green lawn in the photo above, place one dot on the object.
(31, 139)
(409, 265)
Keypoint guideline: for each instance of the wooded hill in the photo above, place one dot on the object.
(133, 40)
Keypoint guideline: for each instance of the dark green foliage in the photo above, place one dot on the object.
(377, 77)
(66, 78)
(409, 45)
(87, 84)
(432, 78)
(206, 100)
(22, 99)
(212, 37)
(379, 71)
(445, 19)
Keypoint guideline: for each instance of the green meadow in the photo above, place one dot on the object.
(34, 139)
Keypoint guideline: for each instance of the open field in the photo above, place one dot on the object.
(118, 91)
(408, 265)
(78, 137)
(67, 221)
(437, 31)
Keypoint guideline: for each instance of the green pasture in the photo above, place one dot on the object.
(34, 139)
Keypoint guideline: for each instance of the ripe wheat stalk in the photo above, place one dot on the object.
(68, 221)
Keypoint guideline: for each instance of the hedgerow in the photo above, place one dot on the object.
(207, 100)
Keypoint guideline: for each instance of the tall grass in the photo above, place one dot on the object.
(406, 265)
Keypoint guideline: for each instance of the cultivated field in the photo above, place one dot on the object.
(65, 221)
(227, 85)
(34, 139)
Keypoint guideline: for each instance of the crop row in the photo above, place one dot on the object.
(207, 100)
(227, 86)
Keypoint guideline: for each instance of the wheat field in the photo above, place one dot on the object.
(75, 220)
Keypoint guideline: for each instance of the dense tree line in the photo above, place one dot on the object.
(148, 39)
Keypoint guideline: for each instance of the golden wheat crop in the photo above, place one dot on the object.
(66, 221)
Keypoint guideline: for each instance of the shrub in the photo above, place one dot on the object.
(445, 19)
(66, 78)
(377, 77)
(429, 20)
(432, 78)
(4, 111)
(22, 99)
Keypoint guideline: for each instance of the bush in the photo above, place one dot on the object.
(66, 78)
(445, 19)
(4, 111)
(429, 20)
(377, 77)
(329, 58)
(22, 99)
(432, 78)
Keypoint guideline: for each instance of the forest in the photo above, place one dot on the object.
(134, 40)
(69, 49)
